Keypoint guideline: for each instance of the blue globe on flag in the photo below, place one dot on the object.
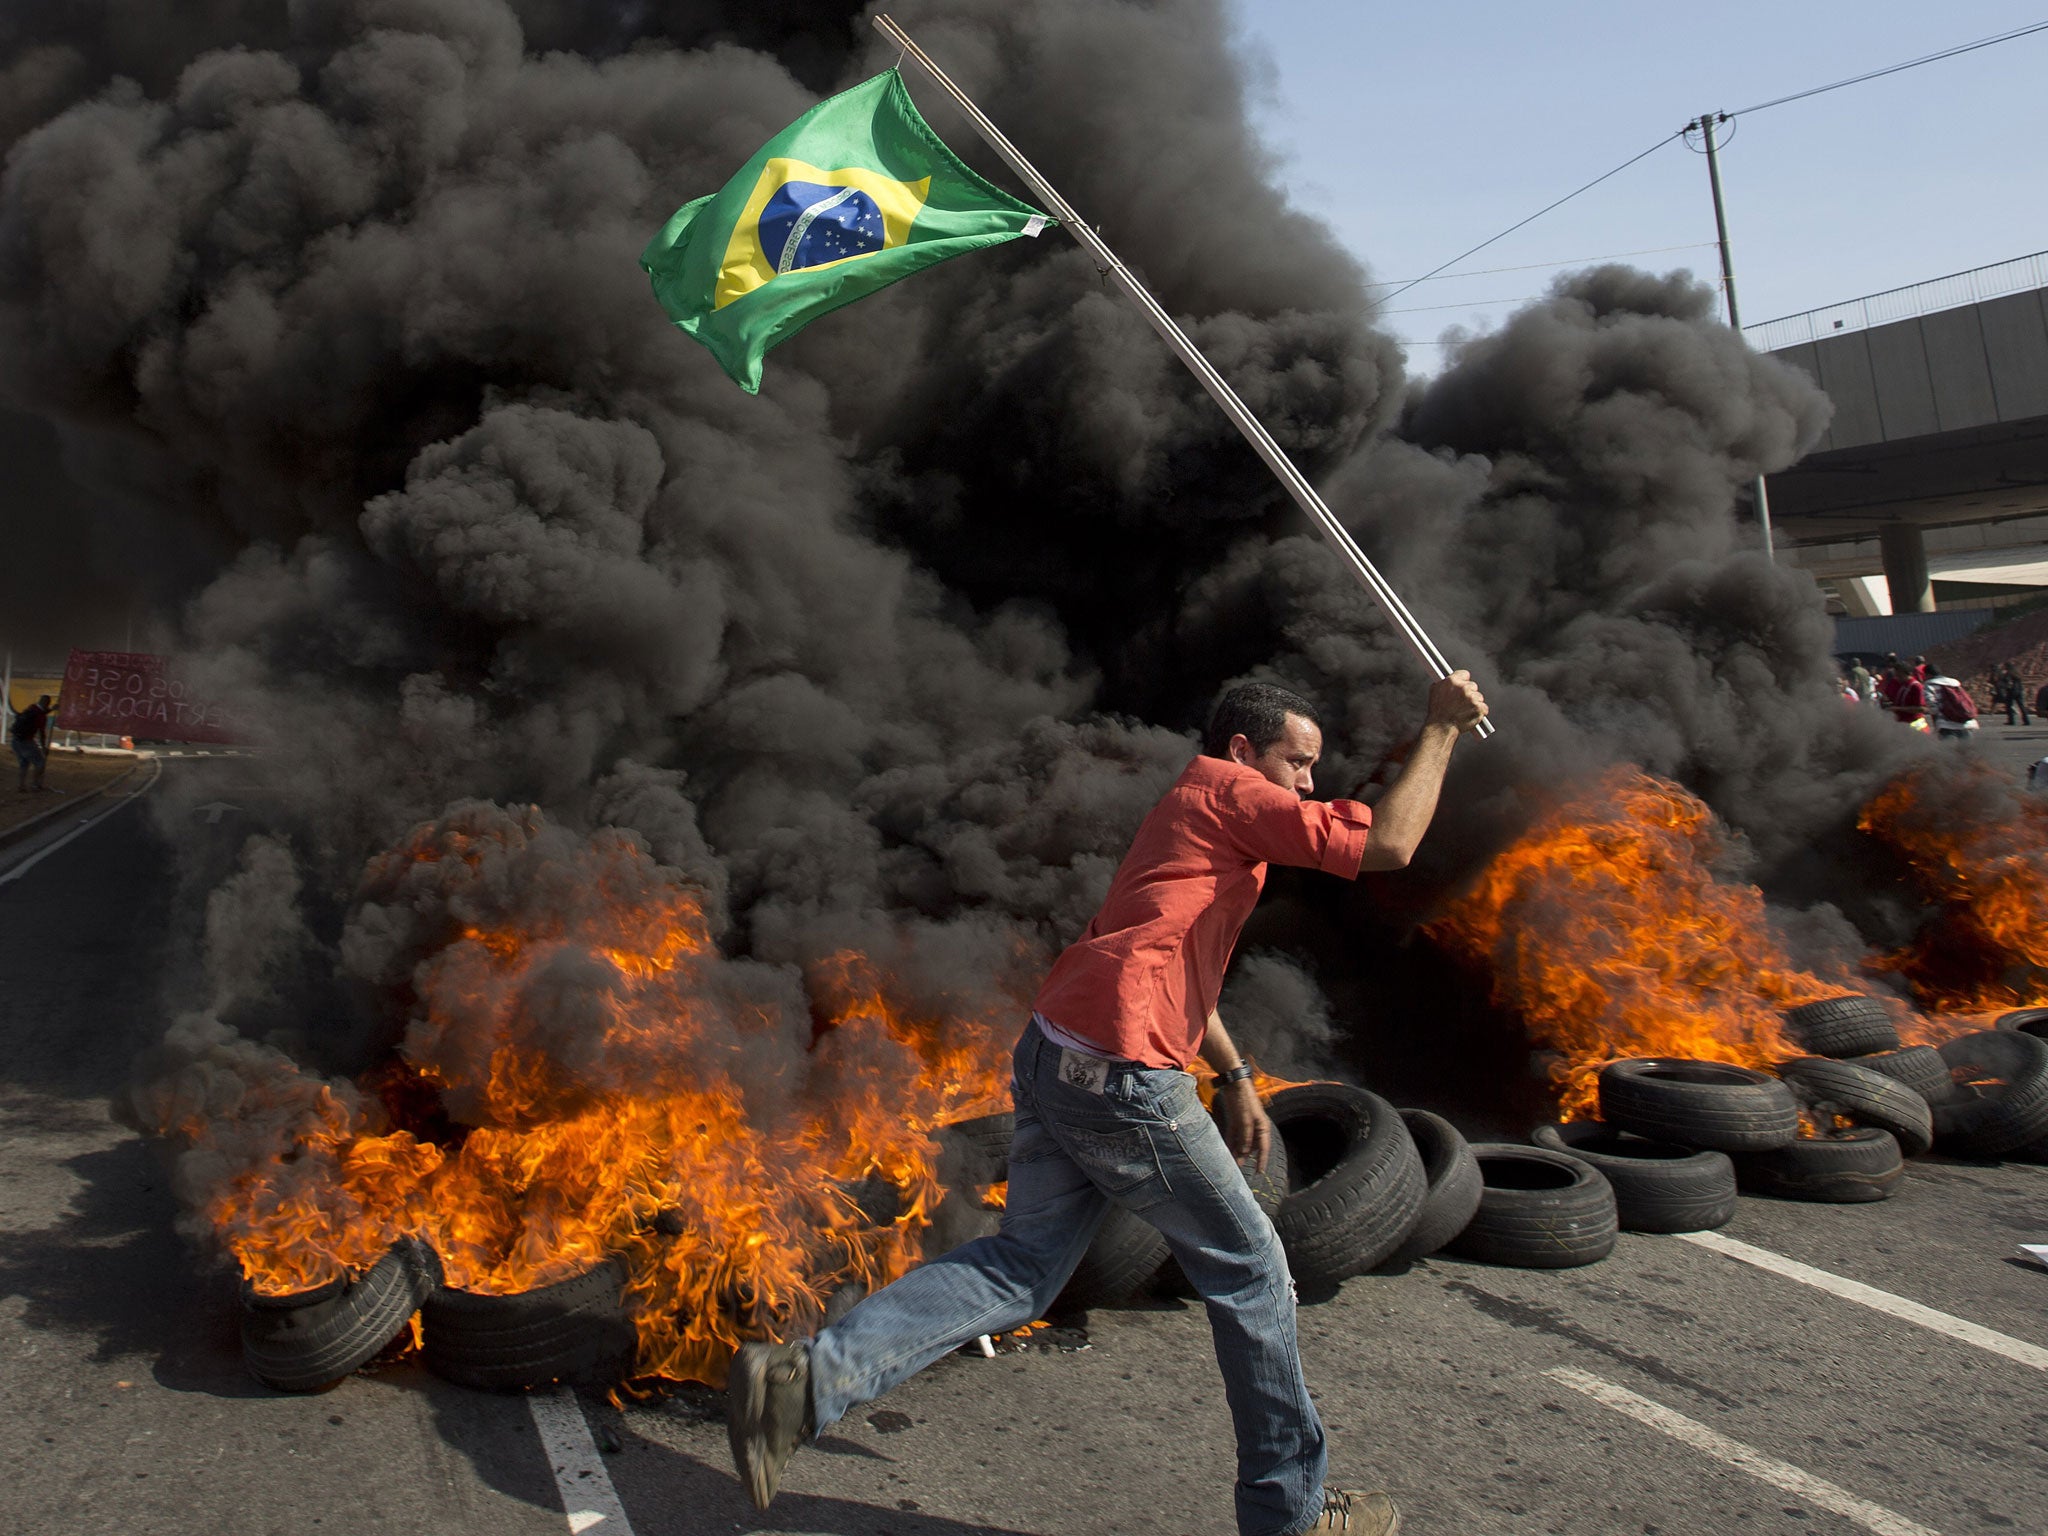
(806, 225)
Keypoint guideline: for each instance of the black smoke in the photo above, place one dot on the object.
(340, 299)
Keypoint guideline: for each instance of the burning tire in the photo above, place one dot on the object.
(1843, 1026)
(1658, 1187)
(313, 1339)
(1919, 1067)
(1698, 1104)
(1454, 1185)
(1866, 1097)
(1839, 1168)
(2002, 1097)
(1355, 1184)
(975, 1153)
(1539, 1209)
(575, 1331)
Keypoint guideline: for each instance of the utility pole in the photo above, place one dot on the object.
(1705, 123)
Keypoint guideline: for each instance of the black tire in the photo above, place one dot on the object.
(1697, 1104)
(1539, 1209)
(1919, 1067)
(1454, 1185)
(1843, 1026)
(1868, 1098)
(2028, 1021)
(2002, 1097)
(1127, 1252)
(1839, 1168)
(1355, 1183)
(974, 1154)
(1658, 1187)
(575, 1331)
(311, 1340)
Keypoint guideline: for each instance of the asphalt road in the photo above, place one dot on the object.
(1674, 1390)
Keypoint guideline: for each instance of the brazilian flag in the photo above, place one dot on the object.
(851, 196)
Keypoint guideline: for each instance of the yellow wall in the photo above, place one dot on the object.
(27, 690)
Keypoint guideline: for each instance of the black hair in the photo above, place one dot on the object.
(1258, 712)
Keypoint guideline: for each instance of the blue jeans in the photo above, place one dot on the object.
(1145, 1142)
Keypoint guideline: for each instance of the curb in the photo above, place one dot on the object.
(34, 824)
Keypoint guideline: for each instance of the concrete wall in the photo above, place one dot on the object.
(1970, 367)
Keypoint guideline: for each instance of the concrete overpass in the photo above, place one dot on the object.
(1935, 467)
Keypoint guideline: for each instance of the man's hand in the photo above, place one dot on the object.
(1455, 701)
(1247, 1130)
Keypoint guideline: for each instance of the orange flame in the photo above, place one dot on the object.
(1987, 870)
(1608, 932)
(740, 1201)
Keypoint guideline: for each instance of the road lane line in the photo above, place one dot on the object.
(588, 1497)
(83, 827)
(1870, 1296)
(1765, 1469)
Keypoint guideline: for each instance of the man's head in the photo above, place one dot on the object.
(1901, 669)
(1268, 728)
(44, 701)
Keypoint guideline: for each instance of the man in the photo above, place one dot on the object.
(30, 737)
(1861, 681)
(1906, 698)
(1950, 708)
(2008, 690)
(1106, 1111)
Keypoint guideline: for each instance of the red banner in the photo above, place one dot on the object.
(127, 693)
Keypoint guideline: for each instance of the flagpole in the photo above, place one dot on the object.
(1334, 532)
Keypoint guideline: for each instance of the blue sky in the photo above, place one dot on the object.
(1417, 131)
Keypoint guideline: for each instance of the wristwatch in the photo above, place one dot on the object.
(1240, 1073)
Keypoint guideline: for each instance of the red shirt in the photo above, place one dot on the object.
(1143, 980)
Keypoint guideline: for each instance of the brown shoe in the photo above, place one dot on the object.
(767, 1413)
(1358, 1514)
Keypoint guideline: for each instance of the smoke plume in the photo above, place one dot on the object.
(343, 297)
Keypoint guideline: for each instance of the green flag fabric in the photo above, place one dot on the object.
(848, 198)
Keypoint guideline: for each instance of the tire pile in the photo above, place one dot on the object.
(1353, 1185)
(1356, 1185)
(577, 1330)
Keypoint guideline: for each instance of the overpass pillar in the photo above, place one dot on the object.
(1905, 567)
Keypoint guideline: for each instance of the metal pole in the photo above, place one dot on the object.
(1304, 494)
(1707, 120)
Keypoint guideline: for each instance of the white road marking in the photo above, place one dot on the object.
(1870, 1296)
(83, 827)
(588, 1497)
(1765, 1469)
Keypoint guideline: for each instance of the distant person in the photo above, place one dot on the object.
(1861, 680)
(1905, 696)
(30, 737)
(1920, 670)
(2008, 691)
(1847, 690)
(1951, 708)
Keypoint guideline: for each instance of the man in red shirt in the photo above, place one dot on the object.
(1106, 1111)
(1907, 696)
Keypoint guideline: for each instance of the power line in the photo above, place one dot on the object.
(1589, 186)
(1779, 101)
(1538, 266)
(1893, 69)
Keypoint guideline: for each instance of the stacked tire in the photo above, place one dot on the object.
(576, 1331)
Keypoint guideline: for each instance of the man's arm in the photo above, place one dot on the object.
(1404, 812)
(1246, 1129)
